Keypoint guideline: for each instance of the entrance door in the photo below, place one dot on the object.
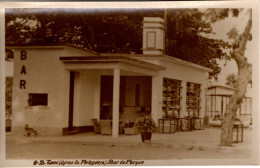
(71, 101)
(106, 98)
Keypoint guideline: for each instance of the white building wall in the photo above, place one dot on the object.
(182, 72)
(45, 73)
(9, 68)
(65, 98)
(186, 74)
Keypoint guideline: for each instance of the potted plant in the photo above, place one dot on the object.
(146, 125)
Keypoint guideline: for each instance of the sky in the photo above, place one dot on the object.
(221, 28)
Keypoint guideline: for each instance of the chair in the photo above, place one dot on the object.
(97, 127)
(106, 127)
(131, 130)
(121, 127)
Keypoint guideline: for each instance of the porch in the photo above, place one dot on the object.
(112, 88)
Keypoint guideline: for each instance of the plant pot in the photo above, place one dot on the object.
(146, 136)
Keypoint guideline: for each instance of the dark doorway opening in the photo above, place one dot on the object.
(71, 100)
(134, 99)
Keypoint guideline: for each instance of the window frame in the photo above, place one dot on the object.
(42, 99)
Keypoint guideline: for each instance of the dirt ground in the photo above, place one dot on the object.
(75, 150)
(195, 145)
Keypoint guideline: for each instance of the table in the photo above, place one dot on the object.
(163, 122)
(238, 131)
(184, 124)
(106, 126)
(197, 123)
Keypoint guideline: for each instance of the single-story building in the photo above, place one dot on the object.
(217, 100)
(61, 88)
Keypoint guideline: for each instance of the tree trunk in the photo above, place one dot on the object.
(234, 104)
(244, 76)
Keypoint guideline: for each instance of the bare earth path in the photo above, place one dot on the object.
(198, 144)
(142, 151)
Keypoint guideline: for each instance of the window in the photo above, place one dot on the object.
(38, 99)
(193, 99)
(171, 103)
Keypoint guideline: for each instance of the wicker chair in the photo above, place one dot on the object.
(106, 127)
(133, 130)
(97, 127)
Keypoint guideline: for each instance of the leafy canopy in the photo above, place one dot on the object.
(117, 31)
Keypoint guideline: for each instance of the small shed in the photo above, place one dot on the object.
(217, 99)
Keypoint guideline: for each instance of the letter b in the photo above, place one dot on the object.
(23, 55)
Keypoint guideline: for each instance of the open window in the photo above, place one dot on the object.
(38, 99)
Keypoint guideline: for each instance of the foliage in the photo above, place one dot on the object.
(244, 76)
(187, 37)
(231, 80)
(116, 31)
(146, 124)
(9, 55)
(8, 96)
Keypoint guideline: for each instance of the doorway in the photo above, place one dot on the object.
(71, 101)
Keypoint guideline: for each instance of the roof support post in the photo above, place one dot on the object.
(157, 87)
(183, 99)
(116, 90)
(202, 101)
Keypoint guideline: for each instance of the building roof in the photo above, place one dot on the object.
(130, 56)
(113, 59)
(220, 86)
(162, 57)
(52, 46)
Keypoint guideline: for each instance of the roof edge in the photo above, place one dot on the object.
(220, 86)
(183, 62)
(52, 46)
(78, 59)
(176, 60)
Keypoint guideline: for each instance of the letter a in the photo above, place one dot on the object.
(23, 71)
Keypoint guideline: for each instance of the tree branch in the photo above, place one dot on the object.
(238, 53)
(246, 34)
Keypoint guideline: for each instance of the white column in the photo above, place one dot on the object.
(203, 98)
(116, 90)
(96, 113)
(205, 95)
(156, 109)
(183, 98)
